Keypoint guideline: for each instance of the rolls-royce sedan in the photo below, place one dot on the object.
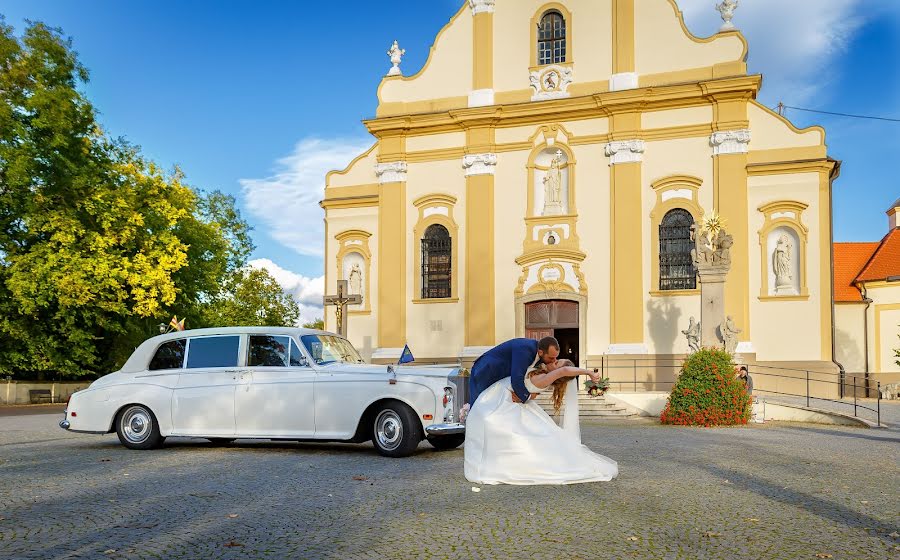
(275, 383)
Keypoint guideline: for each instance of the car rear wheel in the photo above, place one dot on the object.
(443, 443)
(137, 428)
(396, 431)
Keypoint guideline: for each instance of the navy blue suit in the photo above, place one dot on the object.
(510, 359)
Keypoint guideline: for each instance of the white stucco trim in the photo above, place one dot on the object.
(393, 172)
(730, 142)
(622, 81)
(625, 151)
(479, 164)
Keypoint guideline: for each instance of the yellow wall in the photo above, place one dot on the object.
(361, 328)
(423, 179)
(662, 45)
(884, 325)
(666, 316)
(361, 171)
(797, 321)
(447, 72)
(770, 132)
(849, 340)
(435, 141)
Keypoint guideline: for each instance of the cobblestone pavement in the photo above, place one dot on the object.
(764, 491)
(867, 409)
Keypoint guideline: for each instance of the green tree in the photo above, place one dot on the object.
(318, 324)
(251, 296)
(97, 245)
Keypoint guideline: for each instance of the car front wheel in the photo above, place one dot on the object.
(396, 431)
(137, 428)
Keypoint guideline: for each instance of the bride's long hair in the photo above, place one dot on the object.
(559, 386)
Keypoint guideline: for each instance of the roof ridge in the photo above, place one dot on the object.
(881, 245)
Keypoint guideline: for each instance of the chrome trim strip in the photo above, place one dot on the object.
(445, 429)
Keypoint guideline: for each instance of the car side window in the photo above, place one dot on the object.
(169, 356)
(268, 351)
(296, 355)
(213, 351)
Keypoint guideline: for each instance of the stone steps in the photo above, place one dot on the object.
(589, 407)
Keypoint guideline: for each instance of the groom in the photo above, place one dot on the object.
(511, 359)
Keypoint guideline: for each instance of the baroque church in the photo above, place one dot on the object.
(541, 174)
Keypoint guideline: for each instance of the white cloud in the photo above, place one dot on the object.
(287, 203)
(792, 42)
(307, 291)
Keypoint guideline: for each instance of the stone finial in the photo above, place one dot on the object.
(479, 6)
(396, 54)
(727, 8)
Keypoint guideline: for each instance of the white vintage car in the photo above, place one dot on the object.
(268, 383)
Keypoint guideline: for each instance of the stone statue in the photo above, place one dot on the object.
(726, 9)
(396, 54)
(723, 244)
(553, 187)
(703, 252)
(729, 334)
(782, 266)
(693, 335)
(356, 279)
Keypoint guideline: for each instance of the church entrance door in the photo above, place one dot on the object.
(557, 318)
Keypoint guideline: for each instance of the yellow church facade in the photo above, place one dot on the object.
(539, 176)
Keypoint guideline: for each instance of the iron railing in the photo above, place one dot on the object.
(775, 381)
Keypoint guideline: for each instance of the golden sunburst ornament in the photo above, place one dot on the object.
(711, 224)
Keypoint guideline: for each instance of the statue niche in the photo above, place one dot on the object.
(551, 195)
(353, 267)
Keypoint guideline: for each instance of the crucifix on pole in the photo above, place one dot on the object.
(340, 303)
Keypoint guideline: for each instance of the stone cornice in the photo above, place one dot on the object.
(481, 6)
(393, 172)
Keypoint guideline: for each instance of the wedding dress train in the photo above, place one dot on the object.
(513, 443)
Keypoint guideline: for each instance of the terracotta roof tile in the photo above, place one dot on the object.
(886, 260)
(849, 259)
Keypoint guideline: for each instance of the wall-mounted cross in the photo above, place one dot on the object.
(340, 303)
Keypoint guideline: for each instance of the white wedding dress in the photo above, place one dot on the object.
(512, 443)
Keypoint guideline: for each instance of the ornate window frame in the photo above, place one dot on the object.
(782, 213)
(436, 209)
(535, 23)
(674, 191)
(356, 241)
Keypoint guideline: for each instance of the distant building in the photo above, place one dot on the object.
(540, 176)
(867, 304)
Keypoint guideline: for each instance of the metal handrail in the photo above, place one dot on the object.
(608, 365)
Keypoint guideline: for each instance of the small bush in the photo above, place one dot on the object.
(707, 393)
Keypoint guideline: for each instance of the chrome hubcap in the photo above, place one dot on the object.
(388, 430)
(136, 425)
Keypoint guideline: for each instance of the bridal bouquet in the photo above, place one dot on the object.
(597, 388)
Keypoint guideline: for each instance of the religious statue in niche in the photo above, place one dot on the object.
(782, 265)
(553, 185)
(356, 279)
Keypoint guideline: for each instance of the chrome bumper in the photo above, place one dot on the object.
(445, 429)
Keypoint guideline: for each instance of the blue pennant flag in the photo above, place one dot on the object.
(406, 356)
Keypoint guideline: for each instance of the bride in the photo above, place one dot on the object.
(511, 443)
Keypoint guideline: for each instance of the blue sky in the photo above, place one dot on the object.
(258, 98)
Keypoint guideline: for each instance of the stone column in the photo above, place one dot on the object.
(712, 306)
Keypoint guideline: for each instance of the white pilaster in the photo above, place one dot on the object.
(480, 164)
(625, 80)
(393, 172)
(625, 151)
(730, 142)
(481, 98)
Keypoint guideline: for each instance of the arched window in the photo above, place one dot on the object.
(436, 262)
(552, 39)
(676, 267)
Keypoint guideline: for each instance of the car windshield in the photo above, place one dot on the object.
(327, 349)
